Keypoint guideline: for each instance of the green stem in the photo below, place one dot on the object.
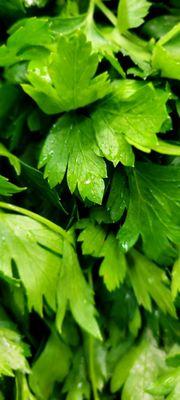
(51, 225)
(91, 9)
(90, 348)
(105, 10)
(91, 367)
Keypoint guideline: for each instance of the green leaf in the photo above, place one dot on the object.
(35, 249)
(149, 282)
(118, 196)
(137, 369)
(131, 13)
(74, 291)
(13, 351)
(113, 267)
(7, 188)
(51, 366)
(131, 45)
(173, 357)
(153, 211)
(29, 39)
(97, 243)
(167, 384)
(76, 384)
(119, 124)
(166, 54)
(176, 278)
(14, 161)
(68, 82)
(71, 145)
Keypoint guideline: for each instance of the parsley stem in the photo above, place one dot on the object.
(51, 225)
(105, 10)
(91, 9)
(90, 348)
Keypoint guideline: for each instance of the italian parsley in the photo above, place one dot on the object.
(89, 200)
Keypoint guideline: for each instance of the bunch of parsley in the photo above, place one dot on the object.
(89, 200)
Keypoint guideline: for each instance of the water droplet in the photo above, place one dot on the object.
(125, 246)
(87, 182)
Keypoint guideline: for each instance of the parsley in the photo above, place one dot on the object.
(89, 200)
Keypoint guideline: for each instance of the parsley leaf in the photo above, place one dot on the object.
(68, 81)
(7, 188)
(35, 249)
(73, 290)
(41, 381)
(138, 369)
(96, 242)
(131, 13)
(148, 281)
(13, 351)
(72, 145)
(132, 115)
(153, 211)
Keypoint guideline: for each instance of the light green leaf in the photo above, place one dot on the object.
(148, 282)
(113, 267)
(167, 384)
(14, 161)
(71, 145)
(51, 366)
(153, 211)
(35, 249)
(74, 291)
(166, 54)
(145, 369)
(131, 13)
(97, 243)
(123, 368)
(76, 384)
(131, 45)
(176, 278)
(13, 351)
(28, 38)
(7, 188)
(68, 82)
(173, 357)
(92, 237)
(118, 120)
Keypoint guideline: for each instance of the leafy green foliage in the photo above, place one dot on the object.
(70, 145)
(68, 82)
(7, 188)
(89, 158)
(166, 54)
(41, 382)
(119, 123)
(12, 348)
(153, 211)
(77, 294)
(131, 13)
